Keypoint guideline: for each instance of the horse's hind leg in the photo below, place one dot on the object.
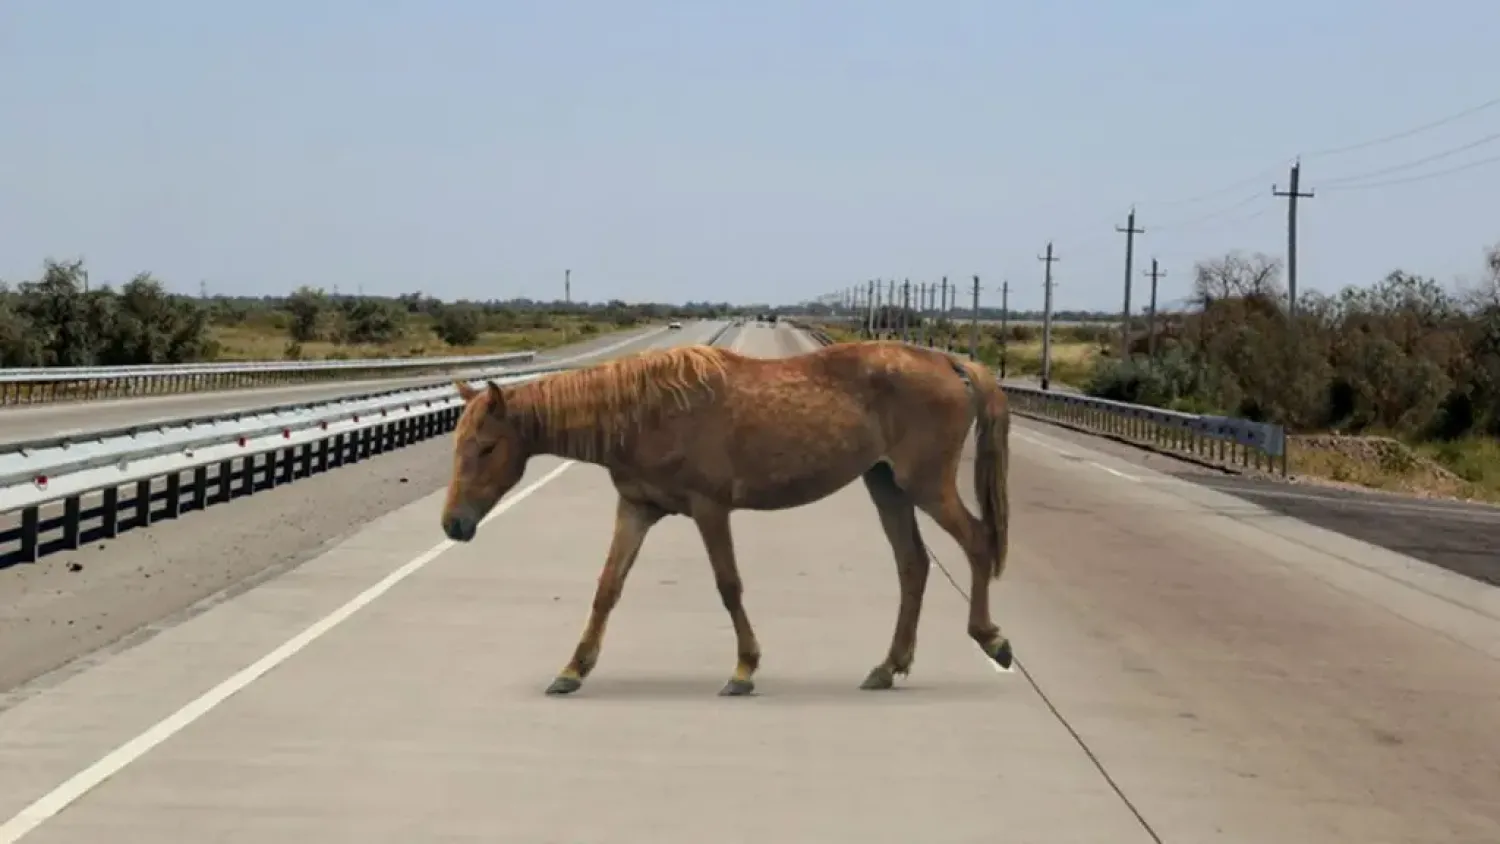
(938, 497)
(713, 525)
(898, 516)
(633, 519)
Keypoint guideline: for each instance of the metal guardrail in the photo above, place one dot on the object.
(819, 336)
(72, 487)
(39, 385)
(59, 493)
(1221, 440)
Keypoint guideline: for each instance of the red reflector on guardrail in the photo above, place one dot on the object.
(242, 442)
(40, 480)
(286, 433)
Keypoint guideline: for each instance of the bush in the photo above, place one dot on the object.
(458, 325)
(1403, 356)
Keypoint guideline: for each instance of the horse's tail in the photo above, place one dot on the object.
(991, 460)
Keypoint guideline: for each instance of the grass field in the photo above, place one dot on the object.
(268, 342)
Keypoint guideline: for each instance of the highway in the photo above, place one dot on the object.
(1193, 666)
(64, 418)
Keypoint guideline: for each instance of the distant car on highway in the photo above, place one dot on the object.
(674, 325)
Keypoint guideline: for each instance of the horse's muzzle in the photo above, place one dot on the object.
(460, 527)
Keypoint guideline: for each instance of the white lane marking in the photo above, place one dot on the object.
(639, 338)
(802, 339)
(1049, 446)
(1116, 472)
(739, 338)
(76, 786)
(1065, 453)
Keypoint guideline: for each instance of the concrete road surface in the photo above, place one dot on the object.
(26, 423)
(1193, 668)
(72, 603)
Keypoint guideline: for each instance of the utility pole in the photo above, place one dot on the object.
(951, 295)
(1050, 259)
(974, 324)
(890, 308)
(1155, 273)
(928, 289)
(1130, 231)
(1292, 194)
(1004, 322)
(568, 287)
(934, 312)
(918, 301)
(870, 296)
(905, 310)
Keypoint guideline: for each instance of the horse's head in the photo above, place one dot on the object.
(489, 457)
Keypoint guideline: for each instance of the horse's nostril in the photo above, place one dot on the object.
(458, 528)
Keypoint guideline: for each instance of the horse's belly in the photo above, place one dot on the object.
(783, 493)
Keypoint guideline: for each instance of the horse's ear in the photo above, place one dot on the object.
(497, 398)
(465, 392)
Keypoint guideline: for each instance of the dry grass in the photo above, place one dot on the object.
(1072, 362)
(252, 342)
(1466, 469)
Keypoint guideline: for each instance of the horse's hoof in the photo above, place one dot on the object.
(564, 686)
(1003, 656)
(737, 688)
(879, 679)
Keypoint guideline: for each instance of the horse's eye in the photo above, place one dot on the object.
(487, 449)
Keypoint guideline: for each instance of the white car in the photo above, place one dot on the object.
(674, 325)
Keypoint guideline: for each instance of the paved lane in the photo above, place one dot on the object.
(421, 717)
(1191, 662)
(1245, 676)
(25, 423)
(1459, 536)
(70, 604)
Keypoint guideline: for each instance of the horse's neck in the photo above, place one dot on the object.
(586, 443)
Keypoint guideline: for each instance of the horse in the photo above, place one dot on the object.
(701, 431)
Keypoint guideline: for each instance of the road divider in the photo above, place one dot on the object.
(46, 385)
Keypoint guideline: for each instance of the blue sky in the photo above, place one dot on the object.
(732, 151)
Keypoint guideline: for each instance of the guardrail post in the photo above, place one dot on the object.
(31, 528)
(174, 496)
(200, 488)
(109, 513)
(142, 502)
(71, 522)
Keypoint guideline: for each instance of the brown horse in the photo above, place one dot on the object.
(700, 431)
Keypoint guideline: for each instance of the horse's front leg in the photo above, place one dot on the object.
(713, 525)
(633, 519)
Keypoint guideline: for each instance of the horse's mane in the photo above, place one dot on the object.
(587, 408)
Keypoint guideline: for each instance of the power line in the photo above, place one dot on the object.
(1406, 133)
(1422, 177)
(1428, 159)
(1193, 221)
(1331, 151)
